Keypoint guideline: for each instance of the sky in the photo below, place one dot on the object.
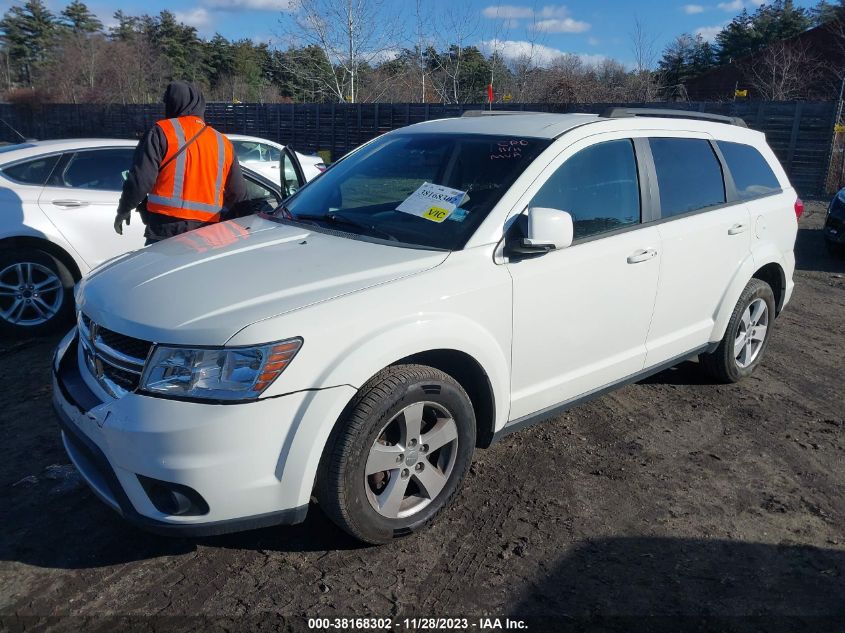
(592, 29)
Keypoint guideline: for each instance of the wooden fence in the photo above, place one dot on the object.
(800, 132)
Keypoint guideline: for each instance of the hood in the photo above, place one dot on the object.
(202, 287)
(183, 99)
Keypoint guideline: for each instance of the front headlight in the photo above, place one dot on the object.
(233, 373)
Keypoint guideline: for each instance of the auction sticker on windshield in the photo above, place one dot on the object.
(432, 202)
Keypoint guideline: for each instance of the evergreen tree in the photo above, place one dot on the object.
(738, 39)
(26, 32)
(746, 34)
(127, 26)
(178, 44)
(78, 18)
(825, 12)
(677, 60)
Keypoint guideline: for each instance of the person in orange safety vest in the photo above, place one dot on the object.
(184, 174)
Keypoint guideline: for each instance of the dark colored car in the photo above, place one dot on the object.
(834, 225)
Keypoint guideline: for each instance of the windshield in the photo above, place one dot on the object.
(430, 190)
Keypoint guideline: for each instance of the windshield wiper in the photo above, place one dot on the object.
(339, 218)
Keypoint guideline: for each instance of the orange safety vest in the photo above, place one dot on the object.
(190, 187)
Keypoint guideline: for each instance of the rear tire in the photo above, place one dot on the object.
(746, 337)
(399, 454)
(36, 293)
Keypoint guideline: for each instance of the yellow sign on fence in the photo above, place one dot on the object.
(741, 93)
(839, 127)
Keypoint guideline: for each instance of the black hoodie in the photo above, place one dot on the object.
(180, 99)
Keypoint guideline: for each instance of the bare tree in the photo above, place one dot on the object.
(423, 41)
(784, 71)
(836, 28)
(351, 34)
(525, 66)
(461, 25)
(644, 49)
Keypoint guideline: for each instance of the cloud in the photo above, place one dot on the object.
(542, 55)
(709, 33)
(733, 6)
(593, 41)
(692, 9)
(385, 55)
(254, 5)
(553, 11)
(562, 25)
(198, 17)
(507, 12)
(552, 18)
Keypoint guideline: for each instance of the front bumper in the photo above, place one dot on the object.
(235, 457)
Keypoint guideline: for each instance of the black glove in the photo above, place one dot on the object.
(120, 219)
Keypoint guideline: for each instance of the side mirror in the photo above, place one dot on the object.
(548, 230)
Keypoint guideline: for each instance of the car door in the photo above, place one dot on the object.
(704, 238)
(581, 314)
(292, 176)
(81, 200)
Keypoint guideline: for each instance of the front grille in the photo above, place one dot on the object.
(115, 360)
(125, 344)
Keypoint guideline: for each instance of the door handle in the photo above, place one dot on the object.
(70, 204)
(642, 255)
(736, 229)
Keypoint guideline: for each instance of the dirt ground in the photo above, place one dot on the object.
(672, 498)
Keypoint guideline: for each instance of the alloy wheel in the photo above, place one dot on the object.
(751, 333)
(411, 460)
(30, 294)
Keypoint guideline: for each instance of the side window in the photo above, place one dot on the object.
(257, 191)
(751, 173)
(688, 174)
(102, 169)
(259, 199)
(252, 151)
(598, 186)
(32, 172)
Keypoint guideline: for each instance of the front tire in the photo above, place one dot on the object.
(399, 454)
(36, 293)
(746, 337)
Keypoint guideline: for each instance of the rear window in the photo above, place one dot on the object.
(688, 173)
(32, 172)
(751, 173)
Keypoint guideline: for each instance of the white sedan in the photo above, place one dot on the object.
(263, 157)
(58, 201)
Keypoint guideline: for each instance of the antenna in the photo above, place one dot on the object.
(23, 138)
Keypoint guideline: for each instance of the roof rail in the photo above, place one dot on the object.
(474, 113)
(618, 113)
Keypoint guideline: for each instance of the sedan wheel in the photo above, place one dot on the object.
(36, 292)
(30, 294)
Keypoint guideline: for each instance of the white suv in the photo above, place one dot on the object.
(440, 287)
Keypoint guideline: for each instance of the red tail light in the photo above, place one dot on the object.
(799, 208)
